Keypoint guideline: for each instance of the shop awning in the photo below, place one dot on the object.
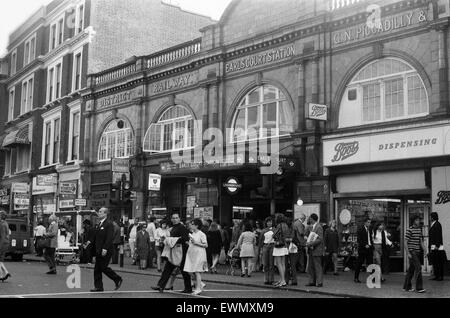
(17, 137)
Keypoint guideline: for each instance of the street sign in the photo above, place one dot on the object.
(133, 196)
(65, 204)
(154, 182)
(23, 188)
(120, 165)
(81, 202)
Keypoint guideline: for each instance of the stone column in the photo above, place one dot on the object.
(300, 124)
(443, 70)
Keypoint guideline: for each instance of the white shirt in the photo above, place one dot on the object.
(133, 233)
(268, 237)
(379, 238)
(39, 231)
(151, 229)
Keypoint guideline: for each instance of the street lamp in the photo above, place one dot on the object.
(300, 202)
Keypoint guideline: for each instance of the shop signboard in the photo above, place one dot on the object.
(47, 180)
(68, 188)
(317, 112)
(43, 185)
(23, 188)
(120, 165)
(20, 199)
(4, 200)
(3, 192)
(66, 204)
(81, 202)
(399, 145)
(205, 213)
(232, 185)
(44, 208)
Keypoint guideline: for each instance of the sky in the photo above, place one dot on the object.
(15, 12)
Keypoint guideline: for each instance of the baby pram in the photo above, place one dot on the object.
(233, 261)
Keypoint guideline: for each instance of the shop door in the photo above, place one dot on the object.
(422, 210)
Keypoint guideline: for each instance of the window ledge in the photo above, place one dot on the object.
(49, 166)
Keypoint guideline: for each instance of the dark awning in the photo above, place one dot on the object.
(17, 137)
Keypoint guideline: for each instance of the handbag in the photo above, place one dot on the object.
(44, 242)
(280, 242)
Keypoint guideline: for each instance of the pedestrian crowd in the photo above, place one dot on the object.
(280, 247)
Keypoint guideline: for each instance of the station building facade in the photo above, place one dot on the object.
(381, 152)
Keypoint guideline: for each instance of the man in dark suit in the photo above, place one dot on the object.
(365, 246)
(103, 247)
(178, 230)
(437, 255)
(315, 251)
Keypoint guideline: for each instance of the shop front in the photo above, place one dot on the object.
(389, 176)
(44, 192)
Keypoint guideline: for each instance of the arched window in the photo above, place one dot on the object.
(384, 90)
(116, 142)
(173, 131)
(262, 113)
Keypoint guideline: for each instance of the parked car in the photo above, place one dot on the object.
(20, 238)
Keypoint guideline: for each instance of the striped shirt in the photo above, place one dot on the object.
(413, 238)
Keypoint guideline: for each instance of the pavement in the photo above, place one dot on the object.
(30, 281)
(334, 286)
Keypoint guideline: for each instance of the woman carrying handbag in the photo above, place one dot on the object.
(4, 246)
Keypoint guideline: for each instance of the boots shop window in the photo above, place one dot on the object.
(385, 90)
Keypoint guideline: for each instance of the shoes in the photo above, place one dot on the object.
(383, 280)
(97, 290)
(159, 289)
(196, 292)
(159, 270)
(186, 291)
(319, 285)
(276, 284)
(203, 285)
(51, 273)
(248, 276)
(118, 284)
(412, 290)
(357, 281)
(421, 291)
(169, 288)
(5, 278)
(310, 285)
(282, 285)
(242, 275)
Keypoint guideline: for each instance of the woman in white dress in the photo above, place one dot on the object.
(246, 244)
(280, 251)
(160, 235)
(196, 261)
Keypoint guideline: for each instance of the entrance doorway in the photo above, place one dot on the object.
(421, 209)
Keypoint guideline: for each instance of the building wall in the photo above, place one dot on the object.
(134, 26)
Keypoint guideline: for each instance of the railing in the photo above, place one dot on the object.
(114, 74)
(174, 54)
(338, 4)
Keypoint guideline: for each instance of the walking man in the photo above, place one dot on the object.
(365, 245)
(436, 248)
(104, 247)
(181, 232)
(415, 248)
(315, 252)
